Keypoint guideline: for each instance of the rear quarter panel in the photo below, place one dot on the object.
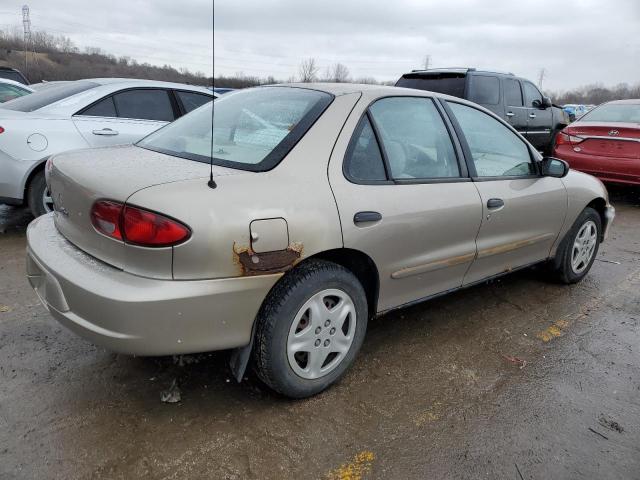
(297, 190)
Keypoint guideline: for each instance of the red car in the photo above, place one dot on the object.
(604, 142)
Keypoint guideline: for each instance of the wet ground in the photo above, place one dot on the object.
(516, 379)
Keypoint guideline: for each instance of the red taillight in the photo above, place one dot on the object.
(1, 130)
(105, 216)
(136, 225)
(565, 139)
(151, 229)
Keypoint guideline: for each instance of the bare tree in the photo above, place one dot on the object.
(339, 73)
(308, 70)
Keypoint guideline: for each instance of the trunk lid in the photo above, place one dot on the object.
(620, 140)
(77, 179)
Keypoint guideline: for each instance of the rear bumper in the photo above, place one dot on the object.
(136, 315)
(607, 169)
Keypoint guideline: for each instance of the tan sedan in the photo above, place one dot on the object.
(303, 211)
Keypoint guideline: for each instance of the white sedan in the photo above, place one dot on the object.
(73, 115)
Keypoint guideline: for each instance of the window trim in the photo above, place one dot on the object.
(174, 106)
(463, 175)
(467, 150)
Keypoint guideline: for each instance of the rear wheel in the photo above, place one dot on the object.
(578, 250)
(310, 329)
(38, 196)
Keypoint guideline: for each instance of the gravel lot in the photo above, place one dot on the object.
(518, 379)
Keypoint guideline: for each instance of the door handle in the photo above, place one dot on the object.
(366, 217)
(532, 115)
(106, 132)
(510, 114)
(495, 203)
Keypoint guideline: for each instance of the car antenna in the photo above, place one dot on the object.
(211, 182)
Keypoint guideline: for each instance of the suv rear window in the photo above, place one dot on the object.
(449, 83)
(52, 94)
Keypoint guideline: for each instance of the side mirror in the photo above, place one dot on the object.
(546, 102)
(554, 167)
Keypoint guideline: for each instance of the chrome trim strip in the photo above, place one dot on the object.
(507, 247)
(431, 266)
(599, 137)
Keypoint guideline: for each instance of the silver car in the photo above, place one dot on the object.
(63, 116)
(304, 210)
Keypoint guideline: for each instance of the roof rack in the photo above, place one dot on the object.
(459, 70)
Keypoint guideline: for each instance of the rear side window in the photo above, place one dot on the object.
(484, 89)
(191, 101)
(415, 138)
(448, 83)
(531, 93)
(496, 151)
(363, 162)
(145, 104)
(512, 93)
(104, 108)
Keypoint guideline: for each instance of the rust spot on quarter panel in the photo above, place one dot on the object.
(252, 263)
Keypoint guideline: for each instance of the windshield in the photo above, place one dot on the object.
(252, 129)
(47, 96)
(614, 113)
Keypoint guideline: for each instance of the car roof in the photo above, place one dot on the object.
(629, 101)
(142, 82)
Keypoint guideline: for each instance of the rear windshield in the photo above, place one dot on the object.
(47, 96)
(613, 112)
(252, 129)
(448, 83)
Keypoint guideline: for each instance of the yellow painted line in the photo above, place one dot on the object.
(360, 465)
(553, 331)
(431, 414)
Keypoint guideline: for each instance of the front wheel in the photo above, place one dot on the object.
(310, 329)
(578, 250)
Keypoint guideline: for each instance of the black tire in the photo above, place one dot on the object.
(276, 317)
(35, 193)
(563, 268)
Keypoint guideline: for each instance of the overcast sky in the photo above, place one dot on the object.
(176, 32)
(577, 42)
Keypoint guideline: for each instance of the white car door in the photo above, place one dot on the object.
(125, 117)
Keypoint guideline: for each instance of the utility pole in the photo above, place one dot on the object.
(543, 72)
(26, 23)
(427, 62)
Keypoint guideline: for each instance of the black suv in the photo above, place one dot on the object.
(13, 74)
(515, 99)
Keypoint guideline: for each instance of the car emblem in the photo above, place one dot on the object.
(613, 132)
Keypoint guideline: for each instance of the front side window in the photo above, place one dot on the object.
(363, 162)
(415, 138)
(485, 90)
(532, 94)
(512, 93)
(144, 104)
(496, 151)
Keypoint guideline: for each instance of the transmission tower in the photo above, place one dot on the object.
(26, 23)
(541, 76)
